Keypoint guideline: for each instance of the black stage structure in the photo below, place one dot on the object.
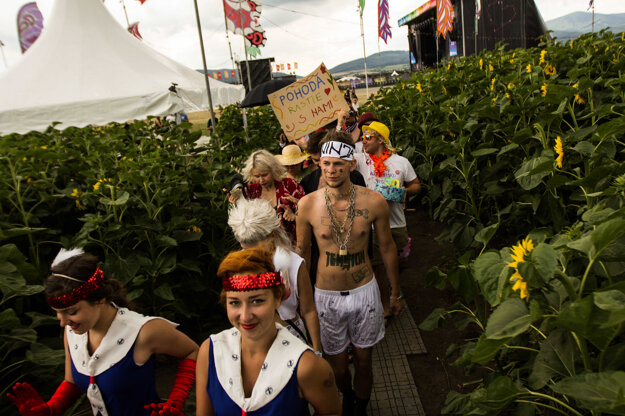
(517, 23)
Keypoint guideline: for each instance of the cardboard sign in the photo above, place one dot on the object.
(308, 104)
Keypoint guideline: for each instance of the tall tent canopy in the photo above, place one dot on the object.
(87, 69)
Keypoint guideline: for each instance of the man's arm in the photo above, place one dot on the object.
(413, 187)
(303, 230)
(388, 250)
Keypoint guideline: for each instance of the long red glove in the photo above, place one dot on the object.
(30, 403)
(185, 379)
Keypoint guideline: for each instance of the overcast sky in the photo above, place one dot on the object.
(303, 31)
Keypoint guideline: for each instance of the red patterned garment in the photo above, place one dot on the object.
(284, 187)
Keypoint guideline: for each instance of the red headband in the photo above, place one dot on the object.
(251, 282)
(78, 294)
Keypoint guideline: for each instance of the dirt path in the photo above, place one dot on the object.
(432, 372)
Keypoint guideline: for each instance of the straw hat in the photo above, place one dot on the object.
(292, 155)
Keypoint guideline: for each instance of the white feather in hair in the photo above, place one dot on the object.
(282, 261)
(66, 254)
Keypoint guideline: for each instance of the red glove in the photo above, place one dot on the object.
(30, 403)
(185, 379)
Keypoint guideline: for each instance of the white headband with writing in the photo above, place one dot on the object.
(337, 149)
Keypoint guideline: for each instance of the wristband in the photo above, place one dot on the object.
(400, 297)
(339, 128)
(318, 353)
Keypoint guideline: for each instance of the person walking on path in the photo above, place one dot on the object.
(257, 367)
(255, 224)
(109, 349)
(379, 165)
(340, 217)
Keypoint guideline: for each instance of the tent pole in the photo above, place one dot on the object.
(362, 34)
(208, 88)
(4, 58)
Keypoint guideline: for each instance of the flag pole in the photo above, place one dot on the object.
(125, 12)
(362, 34)
(593, 16)
(228, 37)
(208, 88)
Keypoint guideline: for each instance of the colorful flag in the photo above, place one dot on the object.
(384, 27)
(133, 29)
(295, 65)
(242, 19)
(29, 25)
(288, 66)
(444, 19)
(281, 67)
(141, 1)
(590, 4)
(478, 9)
(226, 74)
(362, 6)
(219, 75)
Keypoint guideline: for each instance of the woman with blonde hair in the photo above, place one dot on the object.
(263, 172)
(255, 224)
(258, 368)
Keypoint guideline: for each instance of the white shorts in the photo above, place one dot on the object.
(355, 316)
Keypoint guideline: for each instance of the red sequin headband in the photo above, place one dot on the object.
(251, 282)
(78, 294)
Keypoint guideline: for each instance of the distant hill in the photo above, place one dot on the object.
(577, 23)
(387, 60)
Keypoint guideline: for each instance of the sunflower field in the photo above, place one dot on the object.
(144, 198)
(522, 156)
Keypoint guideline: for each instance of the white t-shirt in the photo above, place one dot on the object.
(288, 307)
(397, 167)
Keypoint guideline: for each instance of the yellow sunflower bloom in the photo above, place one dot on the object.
(542, 56)
(559, 149)
(80, 206)
(528, 68)
(74, 193)
(521, 287)
(550, 70)
(510, 85)
(492, 83)
(522, 249)
(419, 88)
(491, 68)
(579, 99)
(543, 90)
(481, 64)
(575, 85)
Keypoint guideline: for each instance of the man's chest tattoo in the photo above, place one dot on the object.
(360, 274)
(347, 261)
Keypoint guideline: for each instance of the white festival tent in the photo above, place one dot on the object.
(85, 68)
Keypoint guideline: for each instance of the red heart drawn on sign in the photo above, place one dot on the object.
(327, 91)
(323, 69)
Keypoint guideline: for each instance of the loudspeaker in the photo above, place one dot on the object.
(260, 71)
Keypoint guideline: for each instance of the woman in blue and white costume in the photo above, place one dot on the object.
(256, 224)
(257, 368)
(109, 349)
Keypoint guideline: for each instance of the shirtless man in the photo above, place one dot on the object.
(340, 216)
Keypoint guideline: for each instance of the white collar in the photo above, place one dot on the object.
(275, 372)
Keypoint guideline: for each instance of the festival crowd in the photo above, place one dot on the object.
(322, 232)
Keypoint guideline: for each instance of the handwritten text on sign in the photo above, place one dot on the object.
(305, 105)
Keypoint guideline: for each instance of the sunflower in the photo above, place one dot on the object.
(550, 70)
(543, 90)
(542, 56)
(559, 149)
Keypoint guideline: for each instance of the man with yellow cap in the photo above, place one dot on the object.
(394, 177)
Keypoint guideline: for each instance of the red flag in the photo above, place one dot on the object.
(219, 75)
(288, 66)
(384, 27)
(444, 19)
(141, 1)
(134, 30)
(232, 73)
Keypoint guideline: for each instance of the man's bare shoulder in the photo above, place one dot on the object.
(308, 201)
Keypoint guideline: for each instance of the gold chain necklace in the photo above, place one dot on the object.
(338, 231)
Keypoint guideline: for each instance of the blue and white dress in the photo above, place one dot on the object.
(276, 390)
(114, 383)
